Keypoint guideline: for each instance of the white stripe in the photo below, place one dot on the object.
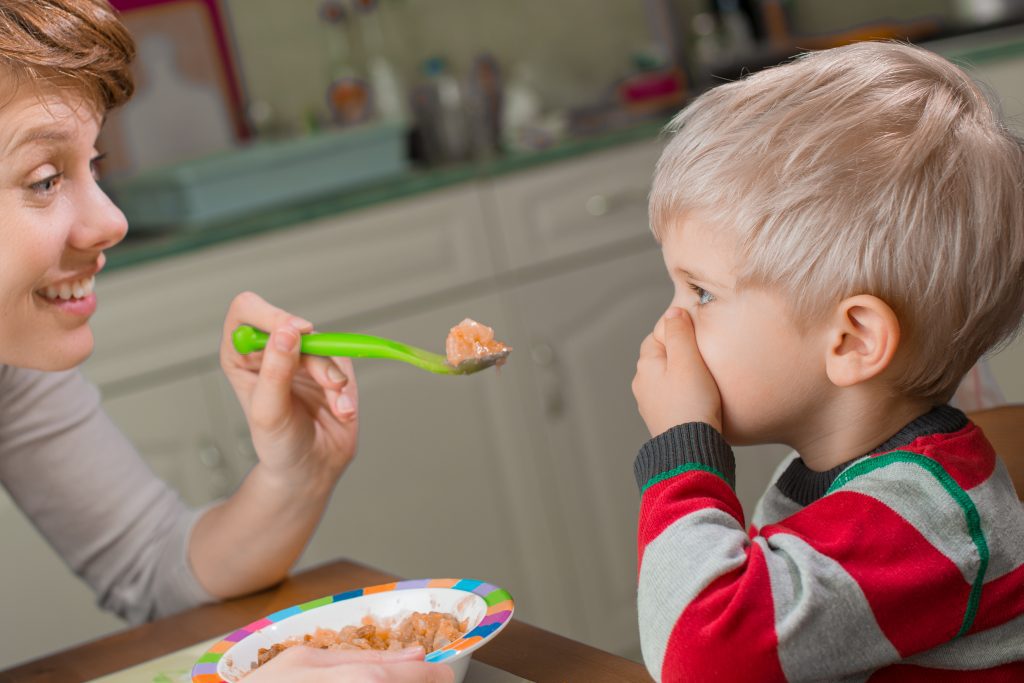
(919, 498)
(773, 507)
(676, 566)
(824, 624)
(1002, 519)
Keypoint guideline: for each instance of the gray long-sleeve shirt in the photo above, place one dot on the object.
(84, 486)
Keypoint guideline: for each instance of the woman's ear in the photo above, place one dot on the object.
(862, 340)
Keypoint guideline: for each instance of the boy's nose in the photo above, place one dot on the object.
(100, 224)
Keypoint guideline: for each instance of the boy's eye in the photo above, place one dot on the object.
(703, 295)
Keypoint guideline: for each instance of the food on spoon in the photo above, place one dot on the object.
(470, 340)
(431, 630)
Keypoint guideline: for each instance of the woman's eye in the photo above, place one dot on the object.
(47, 185)
(94, 165)
(703, 295)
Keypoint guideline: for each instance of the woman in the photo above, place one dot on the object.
(63, 65)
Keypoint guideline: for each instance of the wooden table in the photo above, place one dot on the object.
(520, 649)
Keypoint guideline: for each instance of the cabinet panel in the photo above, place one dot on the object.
(583, 332)
(172, 425)
(325, 269)
(576, 205)
(447, 480)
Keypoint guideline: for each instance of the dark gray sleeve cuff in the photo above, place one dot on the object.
(691, 443)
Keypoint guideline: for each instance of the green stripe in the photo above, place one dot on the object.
(688, 467)
(956, 493)
(494, 597)
(319, 602)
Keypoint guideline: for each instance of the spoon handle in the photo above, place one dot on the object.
(247, 339)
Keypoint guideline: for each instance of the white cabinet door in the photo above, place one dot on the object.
(447, 481)
(574, 206)
(582, 332)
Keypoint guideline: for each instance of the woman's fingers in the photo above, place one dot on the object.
(334, 375)
(271, 403)
(249, 308)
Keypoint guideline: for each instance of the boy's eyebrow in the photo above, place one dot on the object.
(701, 278)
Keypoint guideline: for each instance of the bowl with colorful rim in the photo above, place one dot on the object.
(484, 610)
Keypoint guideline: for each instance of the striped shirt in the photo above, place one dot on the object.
(904, 564)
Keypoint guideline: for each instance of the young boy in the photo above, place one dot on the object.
(846, 238)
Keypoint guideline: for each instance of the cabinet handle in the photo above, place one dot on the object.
(597, 205)
(552, 395)
(602, 204)
(211, 456)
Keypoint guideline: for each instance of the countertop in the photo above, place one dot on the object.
(143, 247)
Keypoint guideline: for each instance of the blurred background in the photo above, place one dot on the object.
(392, 167)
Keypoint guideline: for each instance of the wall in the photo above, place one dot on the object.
(574, 47)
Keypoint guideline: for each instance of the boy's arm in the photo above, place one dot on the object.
(882, 567)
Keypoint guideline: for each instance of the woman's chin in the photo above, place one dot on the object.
(68, 351)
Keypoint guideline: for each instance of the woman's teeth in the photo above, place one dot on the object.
(71, 290)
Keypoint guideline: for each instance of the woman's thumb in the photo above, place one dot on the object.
(272, 396)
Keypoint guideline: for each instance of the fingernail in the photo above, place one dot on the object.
(345, 404)
(334, 374)
(411, 649)
(673, 312)
(285, 339)
(300, 324)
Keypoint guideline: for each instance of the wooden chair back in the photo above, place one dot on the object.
(1004, 428)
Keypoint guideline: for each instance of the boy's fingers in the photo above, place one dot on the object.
(272, 396)
(680, 342)
(651, 348)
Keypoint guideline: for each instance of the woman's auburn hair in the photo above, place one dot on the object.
(876, 168)
(76, 44)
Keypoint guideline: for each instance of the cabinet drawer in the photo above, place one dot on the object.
(172, 311)
(578, 205)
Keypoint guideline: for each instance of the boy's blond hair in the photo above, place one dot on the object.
(875, 168)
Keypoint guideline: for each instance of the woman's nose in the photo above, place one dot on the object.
(100, 223)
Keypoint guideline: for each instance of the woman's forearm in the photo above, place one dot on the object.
(251, 540)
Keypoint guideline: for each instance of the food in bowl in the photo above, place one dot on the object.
(485, 608)
(430, 630)
(470, 340)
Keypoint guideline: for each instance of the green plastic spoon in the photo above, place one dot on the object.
(248, 339)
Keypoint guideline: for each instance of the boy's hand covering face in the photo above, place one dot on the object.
(673, 385)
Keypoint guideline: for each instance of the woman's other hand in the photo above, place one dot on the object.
(301, 410)
(308, 665)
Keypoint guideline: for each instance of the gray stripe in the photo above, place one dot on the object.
(993, 647)
(823, 621)
(677, 565)
(1002, 518)
(924, 503)
(773, 507)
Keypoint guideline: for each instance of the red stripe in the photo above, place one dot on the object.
(1002, 599)
(907, 673)
(965, 454)
(893, 563)
(727, 633)
(672, 499)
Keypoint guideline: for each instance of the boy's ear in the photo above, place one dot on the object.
(862, 340)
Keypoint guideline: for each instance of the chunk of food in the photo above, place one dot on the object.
(470, 340)
(431, 630)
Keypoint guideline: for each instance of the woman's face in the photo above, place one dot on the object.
(55, 222)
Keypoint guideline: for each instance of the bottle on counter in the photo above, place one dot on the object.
(439, 107)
